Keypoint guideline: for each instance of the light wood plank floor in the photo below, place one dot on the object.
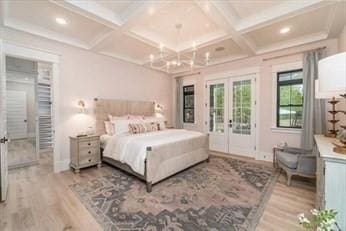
(38, 199)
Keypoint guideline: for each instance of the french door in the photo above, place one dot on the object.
(241, 115)
(3, 128)
(217, 99)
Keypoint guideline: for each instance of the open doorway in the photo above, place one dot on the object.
(29, 112)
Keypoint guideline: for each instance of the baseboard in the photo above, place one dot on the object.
(62, 165)
(265, 156)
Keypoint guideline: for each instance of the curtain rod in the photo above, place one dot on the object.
(181, 76)
(294, 53)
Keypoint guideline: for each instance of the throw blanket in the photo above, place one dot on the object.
(131, 148)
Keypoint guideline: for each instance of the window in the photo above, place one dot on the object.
(289, 99)
(189, 104)
(216, 107)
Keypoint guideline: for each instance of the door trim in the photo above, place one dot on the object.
(15, 50)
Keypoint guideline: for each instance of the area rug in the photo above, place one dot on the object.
(224, 194)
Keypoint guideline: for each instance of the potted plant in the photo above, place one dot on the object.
(320, 220)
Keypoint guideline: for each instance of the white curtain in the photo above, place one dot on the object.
(179, 104)
(314, 121)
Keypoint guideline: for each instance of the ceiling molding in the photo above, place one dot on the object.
(100, 38)
(277, 13)
(223, 7)
(91, 10)
(35, 30)
(330, 19)
(122, 57)
(293, 42)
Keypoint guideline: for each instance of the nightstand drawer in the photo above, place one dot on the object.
(88, 160)
(88, 144)
(88, 152)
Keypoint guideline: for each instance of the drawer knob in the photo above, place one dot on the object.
(89, 160)
(89, 152)
(89, 143)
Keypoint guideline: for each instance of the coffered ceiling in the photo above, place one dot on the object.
(132, 30)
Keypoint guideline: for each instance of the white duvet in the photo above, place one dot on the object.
(131, 148)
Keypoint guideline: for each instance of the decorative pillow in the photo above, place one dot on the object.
(109, 128)
(143, 127)
(137, 128)
(122, 126)
(160, 120)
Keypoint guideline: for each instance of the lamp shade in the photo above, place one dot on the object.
(331, 76)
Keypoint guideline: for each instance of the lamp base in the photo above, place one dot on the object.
(340, 147)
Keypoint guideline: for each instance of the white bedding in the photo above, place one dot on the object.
(131, 148)
(104, 140)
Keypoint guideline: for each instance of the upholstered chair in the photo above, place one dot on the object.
(296, 161)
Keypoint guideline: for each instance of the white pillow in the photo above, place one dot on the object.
(122, 126)
(160, 120)
(109, 128)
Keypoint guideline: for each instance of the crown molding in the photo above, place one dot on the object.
(39, 31)
(91, 10)
(277, 13)
(293, 42)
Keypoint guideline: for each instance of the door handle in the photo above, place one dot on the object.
(25, 121)
(4, 140)
(230, 123)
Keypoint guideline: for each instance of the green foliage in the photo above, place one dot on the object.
(321, 220)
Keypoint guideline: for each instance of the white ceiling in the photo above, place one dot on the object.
(132, 30)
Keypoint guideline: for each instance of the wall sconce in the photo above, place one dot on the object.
(158, 110)
(81, 106)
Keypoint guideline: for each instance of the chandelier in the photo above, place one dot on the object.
(167, 62)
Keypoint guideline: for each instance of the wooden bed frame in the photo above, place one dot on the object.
(104, 107)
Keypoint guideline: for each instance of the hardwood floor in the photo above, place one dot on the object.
(39, 199)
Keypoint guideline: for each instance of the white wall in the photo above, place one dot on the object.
(267, 137)
(86, 75)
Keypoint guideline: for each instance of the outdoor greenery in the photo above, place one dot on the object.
(290, 99)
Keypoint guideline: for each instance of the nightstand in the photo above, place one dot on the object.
(85, 152)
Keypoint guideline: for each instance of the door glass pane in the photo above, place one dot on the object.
(216, 107)
(241, 107)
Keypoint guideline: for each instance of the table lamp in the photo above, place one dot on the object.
(331, 84)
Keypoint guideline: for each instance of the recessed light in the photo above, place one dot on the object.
(60, 21)
(285, 30)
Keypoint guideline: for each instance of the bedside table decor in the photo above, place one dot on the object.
(85, 152)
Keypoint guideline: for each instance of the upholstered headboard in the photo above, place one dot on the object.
(115, 107)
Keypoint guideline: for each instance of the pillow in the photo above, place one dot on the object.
(143, 127)
(160, 120)
(109, 128)
(122, 126)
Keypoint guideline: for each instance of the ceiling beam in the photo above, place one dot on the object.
(92, 10)
(283, 11)
(224, 8)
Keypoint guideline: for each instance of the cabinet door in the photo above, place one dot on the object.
(335, 190)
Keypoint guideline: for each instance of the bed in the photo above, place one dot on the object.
(153, 156)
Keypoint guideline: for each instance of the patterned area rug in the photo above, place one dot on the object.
(225, 194)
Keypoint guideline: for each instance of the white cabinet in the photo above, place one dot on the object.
(331, 179)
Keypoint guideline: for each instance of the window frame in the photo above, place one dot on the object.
(287, 83)
(194, 103)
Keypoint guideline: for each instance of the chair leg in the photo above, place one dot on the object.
(289, 176)
(149, 187)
